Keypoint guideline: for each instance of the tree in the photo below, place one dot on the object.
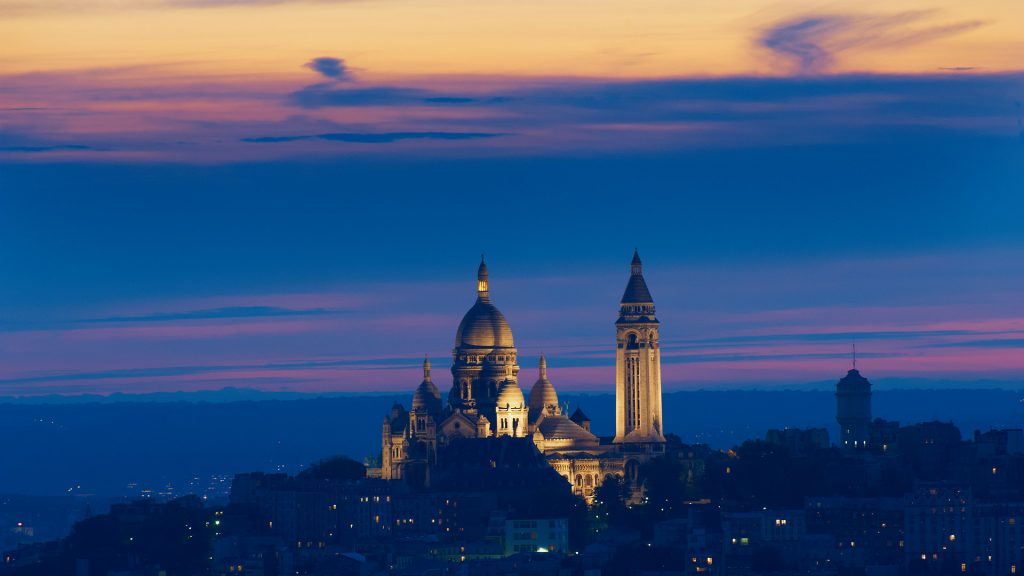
(664, 482)
(610, 502)
(340, 468)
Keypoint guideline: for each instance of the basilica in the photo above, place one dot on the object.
(486, 400)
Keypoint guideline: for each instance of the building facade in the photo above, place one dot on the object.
(486, 400)
(853, 410)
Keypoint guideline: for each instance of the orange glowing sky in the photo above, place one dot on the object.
(863, 143)
(387, 38)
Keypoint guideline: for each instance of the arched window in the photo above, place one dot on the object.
(631, 342)
(579, 480)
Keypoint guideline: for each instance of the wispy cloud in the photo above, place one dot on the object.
(333, 68)
(375, 138)
(46, 148)
(16, 8)
(813, 42)
(1008, 343)
(329, 95)
(246, 370)
(216, 313)
(156, 322)
(107, 110)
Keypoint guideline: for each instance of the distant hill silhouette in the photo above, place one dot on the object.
(104, 446)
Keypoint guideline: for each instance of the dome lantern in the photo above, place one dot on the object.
(482, 289)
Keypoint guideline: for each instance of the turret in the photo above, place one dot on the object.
(581, 419)
(543, 398)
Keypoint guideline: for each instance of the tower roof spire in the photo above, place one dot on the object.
(636, 290)
(426, 368)
(543, 366)
(482, 287)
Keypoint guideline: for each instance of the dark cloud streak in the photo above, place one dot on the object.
(46, 148)
(333, 68)
(21, 8)
(328, 95)
(375, 138)
(812, 42)
(217, 313)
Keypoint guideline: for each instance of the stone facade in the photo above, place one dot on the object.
(486, 400)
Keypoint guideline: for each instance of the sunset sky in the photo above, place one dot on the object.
(293, 195)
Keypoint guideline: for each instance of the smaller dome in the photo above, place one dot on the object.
(510, 394)
(427, 396)
(561, 428)
(543, 398)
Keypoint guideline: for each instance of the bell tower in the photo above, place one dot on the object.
(638, 366)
